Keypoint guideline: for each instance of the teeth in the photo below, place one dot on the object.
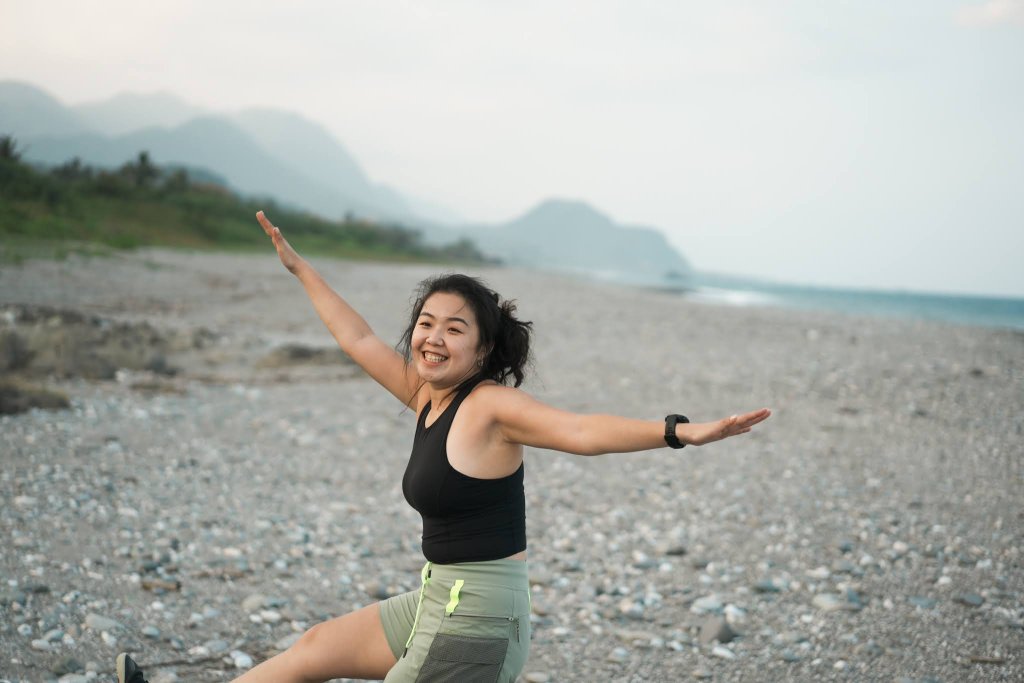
(433, 357)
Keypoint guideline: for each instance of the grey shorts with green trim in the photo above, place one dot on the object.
(468, 623)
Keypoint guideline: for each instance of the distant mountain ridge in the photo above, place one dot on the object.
(129, 112)
(282, 155)
(572, 236)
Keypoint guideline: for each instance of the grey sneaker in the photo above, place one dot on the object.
(128, 671)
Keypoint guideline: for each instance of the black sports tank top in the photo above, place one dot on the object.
(465, 519)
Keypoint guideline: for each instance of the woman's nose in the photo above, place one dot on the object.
(436, 337)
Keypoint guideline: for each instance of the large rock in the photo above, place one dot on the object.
(20, 397)
(42, 341)
(297, 354)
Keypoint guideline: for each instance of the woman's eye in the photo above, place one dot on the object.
(455, 330)
(424, 324)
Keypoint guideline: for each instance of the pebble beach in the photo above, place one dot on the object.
(205, 508)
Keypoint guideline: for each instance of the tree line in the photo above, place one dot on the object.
(140, 203)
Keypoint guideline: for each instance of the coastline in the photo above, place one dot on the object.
(851, 535)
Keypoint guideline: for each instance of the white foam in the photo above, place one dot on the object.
(731, 297)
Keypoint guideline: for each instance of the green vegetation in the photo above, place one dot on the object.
(76, 208)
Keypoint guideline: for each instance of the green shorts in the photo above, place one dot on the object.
(468, 623)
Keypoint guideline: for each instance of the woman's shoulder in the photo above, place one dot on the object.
(494, 397)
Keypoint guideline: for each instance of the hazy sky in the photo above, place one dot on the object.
(868, 143)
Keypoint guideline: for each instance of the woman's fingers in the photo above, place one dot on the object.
(752, 418)
(265, 223)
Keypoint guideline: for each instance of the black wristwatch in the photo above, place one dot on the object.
(670, 430)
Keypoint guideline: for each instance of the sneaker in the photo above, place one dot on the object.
(128, 671)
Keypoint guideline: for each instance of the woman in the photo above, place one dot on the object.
(469, 621)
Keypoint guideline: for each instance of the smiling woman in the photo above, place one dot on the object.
(470, 619)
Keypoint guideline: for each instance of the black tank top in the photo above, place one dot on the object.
(465, 519)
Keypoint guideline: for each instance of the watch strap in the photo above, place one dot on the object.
(670, 430)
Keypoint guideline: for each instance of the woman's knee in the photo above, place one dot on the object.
(349, 646)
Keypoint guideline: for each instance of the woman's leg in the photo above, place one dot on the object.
(351, 646)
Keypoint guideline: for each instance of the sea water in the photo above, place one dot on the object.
(981, 311)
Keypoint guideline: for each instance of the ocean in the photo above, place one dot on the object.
(983, 311)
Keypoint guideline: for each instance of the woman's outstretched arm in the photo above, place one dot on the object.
(525, 420)
(351, 331)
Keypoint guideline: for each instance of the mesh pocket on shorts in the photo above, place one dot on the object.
(463, 659)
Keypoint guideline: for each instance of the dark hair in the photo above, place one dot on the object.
(506, 339)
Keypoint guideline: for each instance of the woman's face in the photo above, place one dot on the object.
(446, 340)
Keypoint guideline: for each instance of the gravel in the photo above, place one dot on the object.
(870, 530)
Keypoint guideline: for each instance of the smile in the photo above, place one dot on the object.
(434, 357)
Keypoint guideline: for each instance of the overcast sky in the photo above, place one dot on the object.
(871, 143)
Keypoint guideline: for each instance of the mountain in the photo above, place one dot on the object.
(312, 150)
(260, 152)
(572, 236)
(209, 142)
(27, 111)
(297, 162)
(129, 112)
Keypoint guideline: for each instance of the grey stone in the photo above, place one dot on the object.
(287, 641)
(709, 604)
(922, 602)
(217, 646)
(67, 665)
(831, 602)
(100, 623)
(241, 660)
(74, 678)
(723, 652)
(970, 599)
(766, 586)
(253, 602)
(716, 628)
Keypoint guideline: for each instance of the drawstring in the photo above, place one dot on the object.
(424, 577)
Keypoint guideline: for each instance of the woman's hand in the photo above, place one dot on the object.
(288, 256)
(700, 433)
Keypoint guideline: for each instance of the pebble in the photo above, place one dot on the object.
(819, 573)
(716, 628)
(253, 602)
(537, 677)
(216, 646)
(970, 599)
(766, 586)
(830, 602)
(67, 665)
(710, 604)
(752, 548)
(101, 623)
(241, 660)
(287, 641)
(723, 652)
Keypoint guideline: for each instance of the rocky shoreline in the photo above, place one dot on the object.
(204, 508)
